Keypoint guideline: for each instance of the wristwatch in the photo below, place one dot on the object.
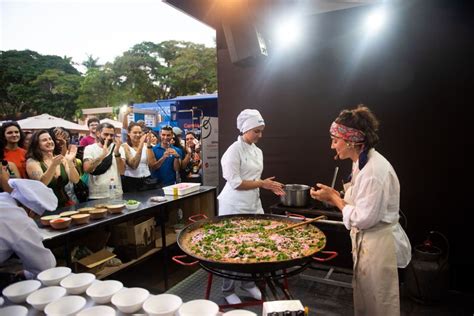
(117, 155)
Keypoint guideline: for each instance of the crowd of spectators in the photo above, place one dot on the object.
(78, 169)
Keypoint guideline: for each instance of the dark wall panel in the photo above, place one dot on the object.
(417, 78)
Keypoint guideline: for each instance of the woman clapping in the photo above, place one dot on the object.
(55, 171)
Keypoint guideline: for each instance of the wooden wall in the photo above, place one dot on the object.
(416, 76)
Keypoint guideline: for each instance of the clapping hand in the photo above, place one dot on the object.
(71, 153)
(56, 160)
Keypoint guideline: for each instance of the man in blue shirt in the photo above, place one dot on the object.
(165, 159)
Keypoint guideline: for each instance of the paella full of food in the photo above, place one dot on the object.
(252, 240)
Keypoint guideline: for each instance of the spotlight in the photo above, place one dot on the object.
(376, 20)
(287, 33)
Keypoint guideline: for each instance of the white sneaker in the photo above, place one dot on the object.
(254, 292)
(233, 299)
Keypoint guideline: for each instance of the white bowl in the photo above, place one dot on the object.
(99, 310)
(77, 283)
(199, 307)
(239, 312)
(66, 305)
(101, 292)
(130, 300)
(17, 292)
(162, 305)
(54, 275)
(16, 310)
(44, 296)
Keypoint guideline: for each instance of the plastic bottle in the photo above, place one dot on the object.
(112, 189)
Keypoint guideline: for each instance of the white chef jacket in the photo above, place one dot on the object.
(241, 161)
(20, 235)
(374, 198)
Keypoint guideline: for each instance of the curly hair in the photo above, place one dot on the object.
(34, 151)
(363, 119)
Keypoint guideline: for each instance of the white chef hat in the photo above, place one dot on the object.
(249, 119)
(34, 195)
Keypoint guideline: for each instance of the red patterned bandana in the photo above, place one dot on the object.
(348, 134)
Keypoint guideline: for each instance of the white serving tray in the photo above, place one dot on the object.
(181, 188)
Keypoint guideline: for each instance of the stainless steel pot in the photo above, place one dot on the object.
(296, 195)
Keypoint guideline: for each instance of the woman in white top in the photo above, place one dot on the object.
(370, 210)
(242, 167)
(134, 151)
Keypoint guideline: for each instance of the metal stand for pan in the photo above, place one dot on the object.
(276, 280)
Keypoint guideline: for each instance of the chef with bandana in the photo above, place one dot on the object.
(370, 210)
(23, 200)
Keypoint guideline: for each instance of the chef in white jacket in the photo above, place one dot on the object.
(242, 167)
(370, 211)
(22, 200)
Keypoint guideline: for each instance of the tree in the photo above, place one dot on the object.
(18, 70)
(91, 63)
(97, 88)
(56, 93)
(150, 71)
(194, 71)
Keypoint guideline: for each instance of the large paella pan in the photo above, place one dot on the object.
(251, 243)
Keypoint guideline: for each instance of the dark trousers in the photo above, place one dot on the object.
(130, 184)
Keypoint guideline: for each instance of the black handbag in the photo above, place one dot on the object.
(104, 165)
(81, 190)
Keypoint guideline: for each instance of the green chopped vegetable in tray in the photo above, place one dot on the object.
(132, 202)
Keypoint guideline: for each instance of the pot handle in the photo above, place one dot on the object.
(332, 255)
(295, 215)
(195, 218)
(176, 259)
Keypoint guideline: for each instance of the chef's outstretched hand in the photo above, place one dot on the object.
(274, 186)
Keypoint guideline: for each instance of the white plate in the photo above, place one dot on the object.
(157, 199)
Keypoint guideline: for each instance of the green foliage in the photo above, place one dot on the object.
(32, 83)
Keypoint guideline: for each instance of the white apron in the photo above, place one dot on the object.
(375, 279)
(241, 162)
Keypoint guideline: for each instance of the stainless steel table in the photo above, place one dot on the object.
(53, 237)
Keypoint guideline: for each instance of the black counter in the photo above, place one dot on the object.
(146, 207)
